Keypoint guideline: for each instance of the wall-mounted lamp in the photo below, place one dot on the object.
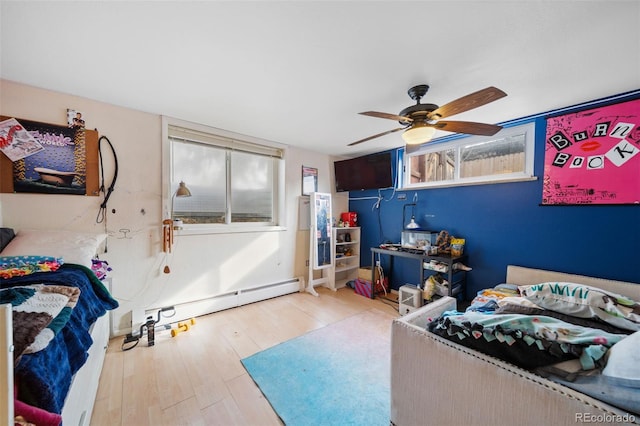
(167, 224)
(418, 133)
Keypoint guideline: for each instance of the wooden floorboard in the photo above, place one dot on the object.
(197, 378)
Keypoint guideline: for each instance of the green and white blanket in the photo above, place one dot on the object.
(39, 313)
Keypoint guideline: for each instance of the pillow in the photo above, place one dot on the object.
(488, 300)
(624, 359)
(584, 301)
(512, 308)
(71, 246)
(6, 235)
(521, 301)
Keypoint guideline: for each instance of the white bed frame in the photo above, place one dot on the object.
(6, 361)
(436, 381)
(80, 400)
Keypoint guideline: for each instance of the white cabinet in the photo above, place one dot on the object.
(346, 254)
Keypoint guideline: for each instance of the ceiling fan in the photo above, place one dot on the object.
(420, 121)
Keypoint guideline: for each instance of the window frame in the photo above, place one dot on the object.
(457, 143)
(229, 137)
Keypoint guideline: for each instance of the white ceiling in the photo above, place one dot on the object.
(298, 72)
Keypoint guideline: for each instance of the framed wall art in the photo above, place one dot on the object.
(66, 164)
(591, 156)
(309, 180)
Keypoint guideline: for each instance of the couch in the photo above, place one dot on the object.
(435, 381)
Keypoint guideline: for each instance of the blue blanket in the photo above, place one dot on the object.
(43, 378)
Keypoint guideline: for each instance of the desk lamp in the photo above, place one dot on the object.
(168, 224)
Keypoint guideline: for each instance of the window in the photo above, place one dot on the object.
(235, 184)
(506, 156)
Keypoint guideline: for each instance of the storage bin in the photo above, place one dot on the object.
(365, 273)
(363, 287)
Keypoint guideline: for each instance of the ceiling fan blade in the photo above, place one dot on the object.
(465, 103)
(386, 115)
(468, 127)
(376, 136)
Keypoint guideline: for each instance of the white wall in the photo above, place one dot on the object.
(201, 265)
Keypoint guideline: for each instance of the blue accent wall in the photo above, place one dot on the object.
(504, 224)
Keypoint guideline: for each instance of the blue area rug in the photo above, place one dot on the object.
(336, 375)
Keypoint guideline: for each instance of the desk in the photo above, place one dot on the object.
(457, 278)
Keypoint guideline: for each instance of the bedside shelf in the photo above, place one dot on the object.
(345, 268)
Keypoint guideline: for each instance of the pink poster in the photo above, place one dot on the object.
(592, 156)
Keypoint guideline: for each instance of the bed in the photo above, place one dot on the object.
(441, 375)
(52, 284)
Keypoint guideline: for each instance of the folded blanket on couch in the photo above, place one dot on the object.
(528, 341)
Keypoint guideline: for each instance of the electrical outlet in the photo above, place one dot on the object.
(402, 196)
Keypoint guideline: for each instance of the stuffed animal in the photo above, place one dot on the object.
(444, 242)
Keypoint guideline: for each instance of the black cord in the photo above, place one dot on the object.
(103, 206)
(128, 339)
(383, 238)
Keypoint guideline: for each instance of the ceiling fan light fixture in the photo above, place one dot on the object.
(418, 133)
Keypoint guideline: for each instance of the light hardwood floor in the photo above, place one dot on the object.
(196, 378)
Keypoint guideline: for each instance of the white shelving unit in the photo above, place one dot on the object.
(346, 254)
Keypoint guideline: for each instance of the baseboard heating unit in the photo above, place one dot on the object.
(208, 305)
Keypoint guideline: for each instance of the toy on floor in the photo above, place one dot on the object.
(182, 327)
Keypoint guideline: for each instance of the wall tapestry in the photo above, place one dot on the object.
(591, 156)
(59, 168)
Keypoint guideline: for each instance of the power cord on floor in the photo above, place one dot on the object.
(378, 267)
(390, 302)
